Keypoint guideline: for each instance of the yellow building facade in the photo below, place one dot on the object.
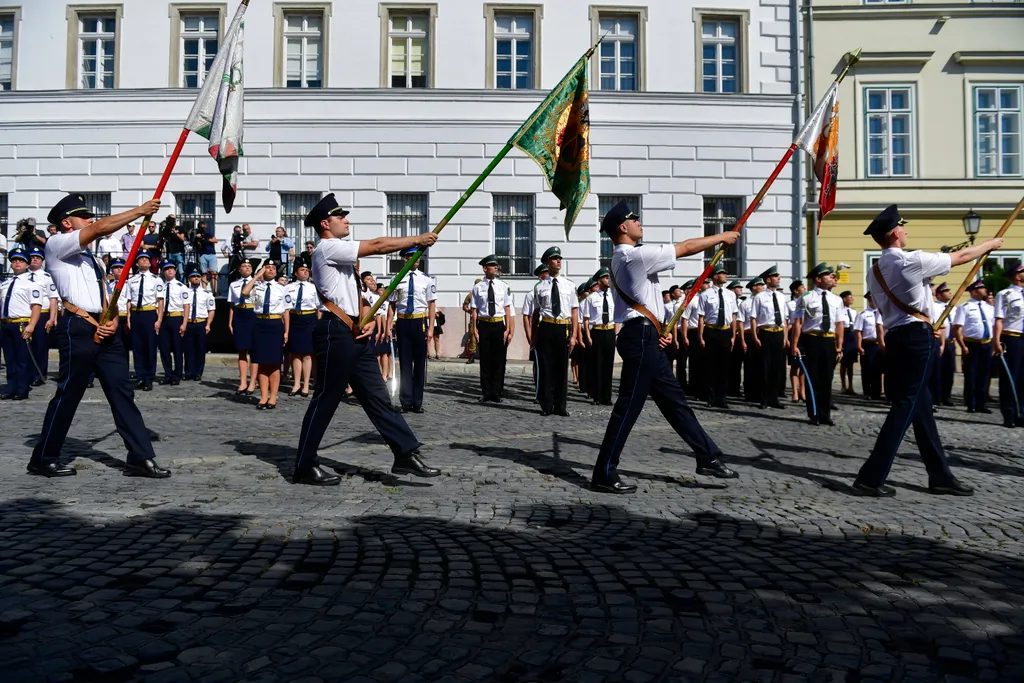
(930, 120)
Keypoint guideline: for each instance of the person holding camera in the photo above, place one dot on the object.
(205, 245)
(28, 236)
(281, 249)
(174, 244)
(249, 245)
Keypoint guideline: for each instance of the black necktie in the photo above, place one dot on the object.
(7, 302)
(604, 308)
(720, 320)
(490, 298)
(167, 297)
(298, 299)
(242, 297)
(142, 285)
(195, 300)
(778, 313)
(826, 315)
(556, 299)
(266, 300)
(32, 277)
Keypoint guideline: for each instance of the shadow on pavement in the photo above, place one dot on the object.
(538, 593)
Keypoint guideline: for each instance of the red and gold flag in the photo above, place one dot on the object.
(819, 137)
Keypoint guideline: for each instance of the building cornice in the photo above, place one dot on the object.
(917, 11)
(989, 58)
(896, 58)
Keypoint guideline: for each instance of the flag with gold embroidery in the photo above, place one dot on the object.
(820, 138)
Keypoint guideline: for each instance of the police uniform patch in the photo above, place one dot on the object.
(53, 287)
(184, 296)
(287, 298)
(159, 288)
(36, 293)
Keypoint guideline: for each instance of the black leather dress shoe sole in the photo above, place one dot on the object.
(717, 470)
(957, 489)
(616, 487)
(867, 491)
(316, 478)
(414, 466)
(52, 470)
(149, 470)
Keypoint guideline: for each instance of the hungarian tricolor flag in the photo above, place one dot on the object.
(820, 138)
(217, 113)
(557, 137)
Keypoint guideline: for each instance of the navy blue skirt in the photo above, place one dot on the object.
(268, 342)
(300, 334)
(243, 323)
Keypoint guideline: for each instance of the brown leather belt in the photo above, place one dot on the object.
(75, 310)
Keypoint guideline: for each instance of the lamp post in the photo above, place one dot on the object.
(972, 225)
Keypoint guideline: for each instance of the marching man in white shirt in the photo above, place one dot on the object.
(718, 310)
(867, 332)
(1009, 348)
(414, 303)
(972, 326)
(492, 323)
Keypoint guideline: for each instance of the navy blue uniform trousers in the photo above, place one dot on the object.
(646, 371)
(977, 366)
(909, 351)
(871, 369)
(144, 344)
(80, 357)
(41, 343)
(172, 347)
(1013, 352)
(341, 361)
(195, 348)
(16, 355)
(412, 353)
(947, 366)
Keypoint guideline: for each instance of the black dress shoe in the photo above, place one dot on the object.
(174, 382)
(777, 406)
(406, 409)
(147, 386)
(19, 397)
(970, 409)
(814, 421)
(411, 464)
(985, 411)
(315, 476)
(545, 413)
(948, 403)
(953, 488)
(881, 491)
(563, 413)
(38, 383)
(418, 410)
(52, 469)
(6, 397)
(146, 468)
(90, 385)
(762, 405)
(1009, 422)
(716, 468)
(484, 399)
(829, 422)
(613, 487)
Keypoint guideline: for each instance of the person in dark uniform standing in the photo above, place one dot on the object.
(717, 334)
(529, 305)
(174, 323)
(645, 369)
(123, 303)
(344, 358)
(270, 333)
(769, 334)
(555, 333)
(79, 279)
(898, 282)
(414, 303)
(1008, 342)
(681, 340)
(146, 293)
(47, 317)
(753, 365)
(947, 361)
(579, 357)
(21, 301)
(201, 309)
(303, 317)
(697, 379)
(600, 316)
(492, 323)
(866, 335)
(818, 338)
(849, 344)
(972, 327)
(241, 321)
(739, 348)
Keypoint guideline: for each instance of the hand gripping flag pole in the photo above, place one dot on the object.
(818, 136)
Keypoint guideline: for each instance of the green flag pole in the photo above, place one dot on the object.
(472, 188)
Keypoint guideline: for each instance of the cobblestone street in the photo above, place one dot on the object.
(507, 568)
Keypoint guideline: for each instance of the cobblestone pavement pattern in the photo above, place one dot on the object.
(507, 568)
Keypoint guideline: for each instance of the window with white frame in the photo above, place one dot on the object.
(721, 214)
(720, 55)
(997, 126)
(513, 233)
(7, 48)
(97, 35)
(620, 52)
(199, 34)
(408, 215)
(605, 203)
(295, 206)
(409, 43)
(890, 126)
(513, 51)
(1001, 261)
(303, 42)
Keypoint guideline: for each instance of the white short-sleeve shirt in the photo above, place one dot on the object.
(1010, 307)
(78, 277)
(905, 273)
(334, 273)
(635, 272)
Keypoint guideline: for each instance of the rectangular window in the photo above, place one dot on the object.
(97, 34)
(605, 203)
(408, 215)
(619, 52)
(890, 139)
(303, 39)
(194, 207)
(720, 51)
(997, 125)
(3, 214)
(7, 51)
(513, 233)
(98, 203)
(513, 49)
(721, 214)
(409, 43)
(897, 2)
(294, 207)
(998, 262)
(199, 35)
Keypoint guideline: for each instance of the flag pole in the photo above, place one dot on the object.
(464, 198)
(977, 266)
(111, 311)
(851, 59)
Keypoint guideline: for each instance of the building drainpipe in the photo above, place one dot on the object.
(798, 159)
(809, 102)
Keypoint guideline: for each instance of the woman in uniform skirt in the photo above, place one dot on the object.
(270, 332)
(241, 319)
(372, 292)
(301, 297)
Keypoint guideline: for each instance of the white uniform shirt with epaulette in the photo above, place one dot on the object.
(692, 313)
(947, 324)
(708, 306)
(176, 295)
(905, 274)
(1010, 308)
(668, 310)
(595, 305)
(763, 307)
(529, 299)
(424, 291)
(274, 291)
(17, 296)
(235, 297)
(371, 299)
(123, 302)
(978, 318)
(811, 309)
(201, 303)
(635, 272)
(78, 276)
(849, 316)
(334, 274)
(743, 312)
(149, 286)
(791, 310)
(502, 298)
(865, 324)
(566, 295)
(46, 283)
(302, 295)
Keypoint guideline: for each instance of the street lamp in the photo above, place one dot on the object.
(972, 224)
